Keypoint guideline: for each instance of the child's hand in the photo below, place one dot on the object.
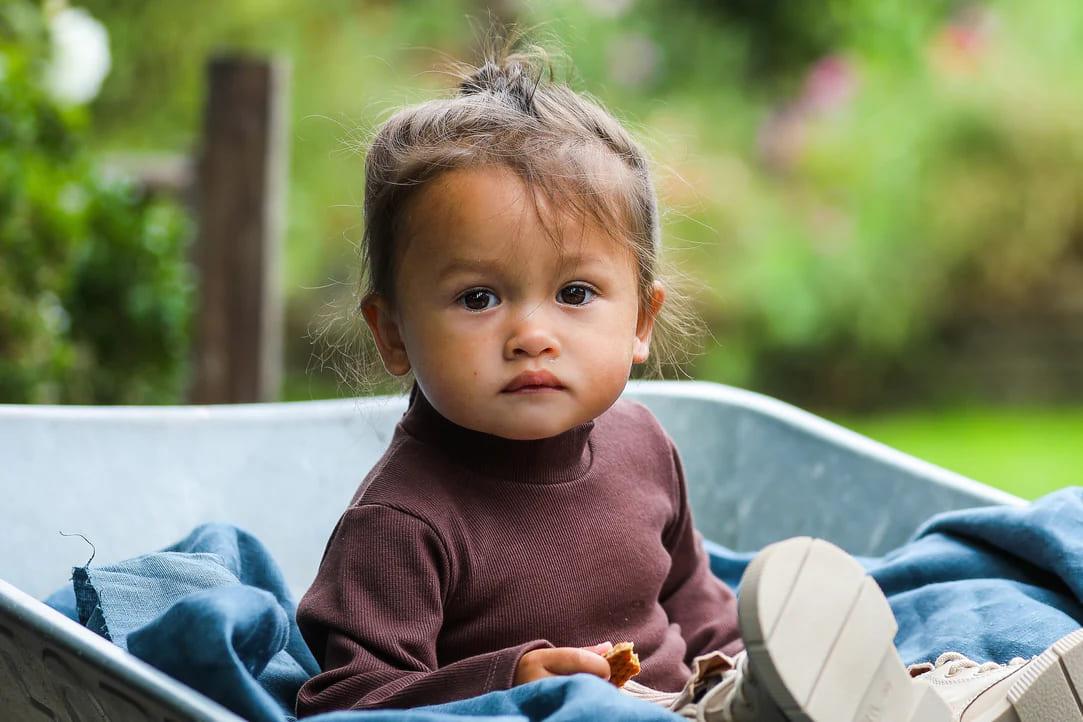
(542, 663)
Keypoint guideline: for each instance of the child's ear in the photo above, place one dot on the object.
(384, 325)
(645, 324)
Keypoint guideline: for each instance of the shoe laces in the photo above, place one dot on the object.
(741, 703)
(950, 664)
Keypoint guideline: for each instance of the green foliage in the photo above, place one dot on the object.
(945, 184)
(95, 294)
(910, 165)
(845, 180)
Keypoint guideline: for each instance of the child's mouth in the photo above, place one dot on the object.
(533, 382)
(534, 389)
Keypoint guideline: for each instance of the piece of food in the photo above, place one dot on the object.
(623, 663)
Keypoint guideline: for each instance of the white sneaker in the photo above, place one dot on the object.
(1045, 688)
(719, 690)
(737, 698)
(820, 639)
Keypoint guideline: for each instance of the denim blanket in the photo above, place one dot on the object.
(213, 611)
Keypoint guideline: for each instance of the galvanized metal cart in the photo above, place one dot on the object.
(135, 479)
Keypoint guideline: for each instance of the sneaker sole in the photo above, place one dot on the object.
(1050, 687)
(820, 637)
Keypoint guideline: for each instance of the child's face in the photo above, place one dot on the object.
(484, 296)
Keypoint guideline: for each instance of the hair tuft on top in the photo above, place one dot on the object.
(509, 82)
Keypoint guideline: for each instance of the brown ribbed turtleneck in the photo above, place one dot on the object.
(560, 458)
(461, 551)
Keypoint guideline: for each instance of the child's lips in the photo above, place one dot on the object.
(533, 382)
(535, 390)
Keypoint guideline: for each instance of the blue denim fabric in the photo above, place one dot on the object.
(213, 611)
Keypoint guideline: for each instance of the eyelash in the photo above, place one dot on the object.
(462, 297)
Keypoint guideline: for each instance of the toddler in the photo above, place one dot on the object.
(524, 517)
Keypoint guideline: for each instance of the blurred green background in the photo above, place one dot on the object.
(880, 202)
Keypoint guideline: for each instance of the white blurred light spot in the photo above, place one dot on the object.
(80, 59)
(52, 313)
(609, 8)
(634, 60)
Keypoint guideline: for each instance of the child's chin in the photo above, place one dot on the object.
(530, 432)
(526, 434)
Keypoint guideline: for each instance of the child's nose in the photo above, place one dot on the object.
(530, 340)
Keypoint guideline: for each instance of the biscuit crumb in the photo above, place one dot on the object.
(623, 663)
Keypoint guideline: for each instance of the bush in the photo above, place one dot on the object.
(852, 185)
(95, 292)
(910, 195)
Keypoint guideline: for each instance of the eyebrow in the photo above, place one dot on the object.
(457, 265)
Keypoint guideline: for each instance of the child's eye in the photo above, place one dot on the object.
(576, 294)
(477, 299)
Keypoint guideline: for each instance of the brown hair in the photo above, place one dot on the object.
(564, 146)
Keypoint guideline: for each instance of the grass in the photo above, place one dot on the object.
(1025, 451)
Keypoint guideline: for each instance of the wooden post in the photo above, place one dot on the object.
(240, 198)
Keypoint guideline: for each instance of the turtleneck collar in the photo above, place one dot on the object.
(564, 457)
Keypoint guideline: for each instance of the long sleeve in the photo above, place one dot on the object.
(704, 607)
(373, 618)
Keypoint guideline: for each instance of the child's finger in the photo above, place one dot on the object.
(572, 661)
(602, 648)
